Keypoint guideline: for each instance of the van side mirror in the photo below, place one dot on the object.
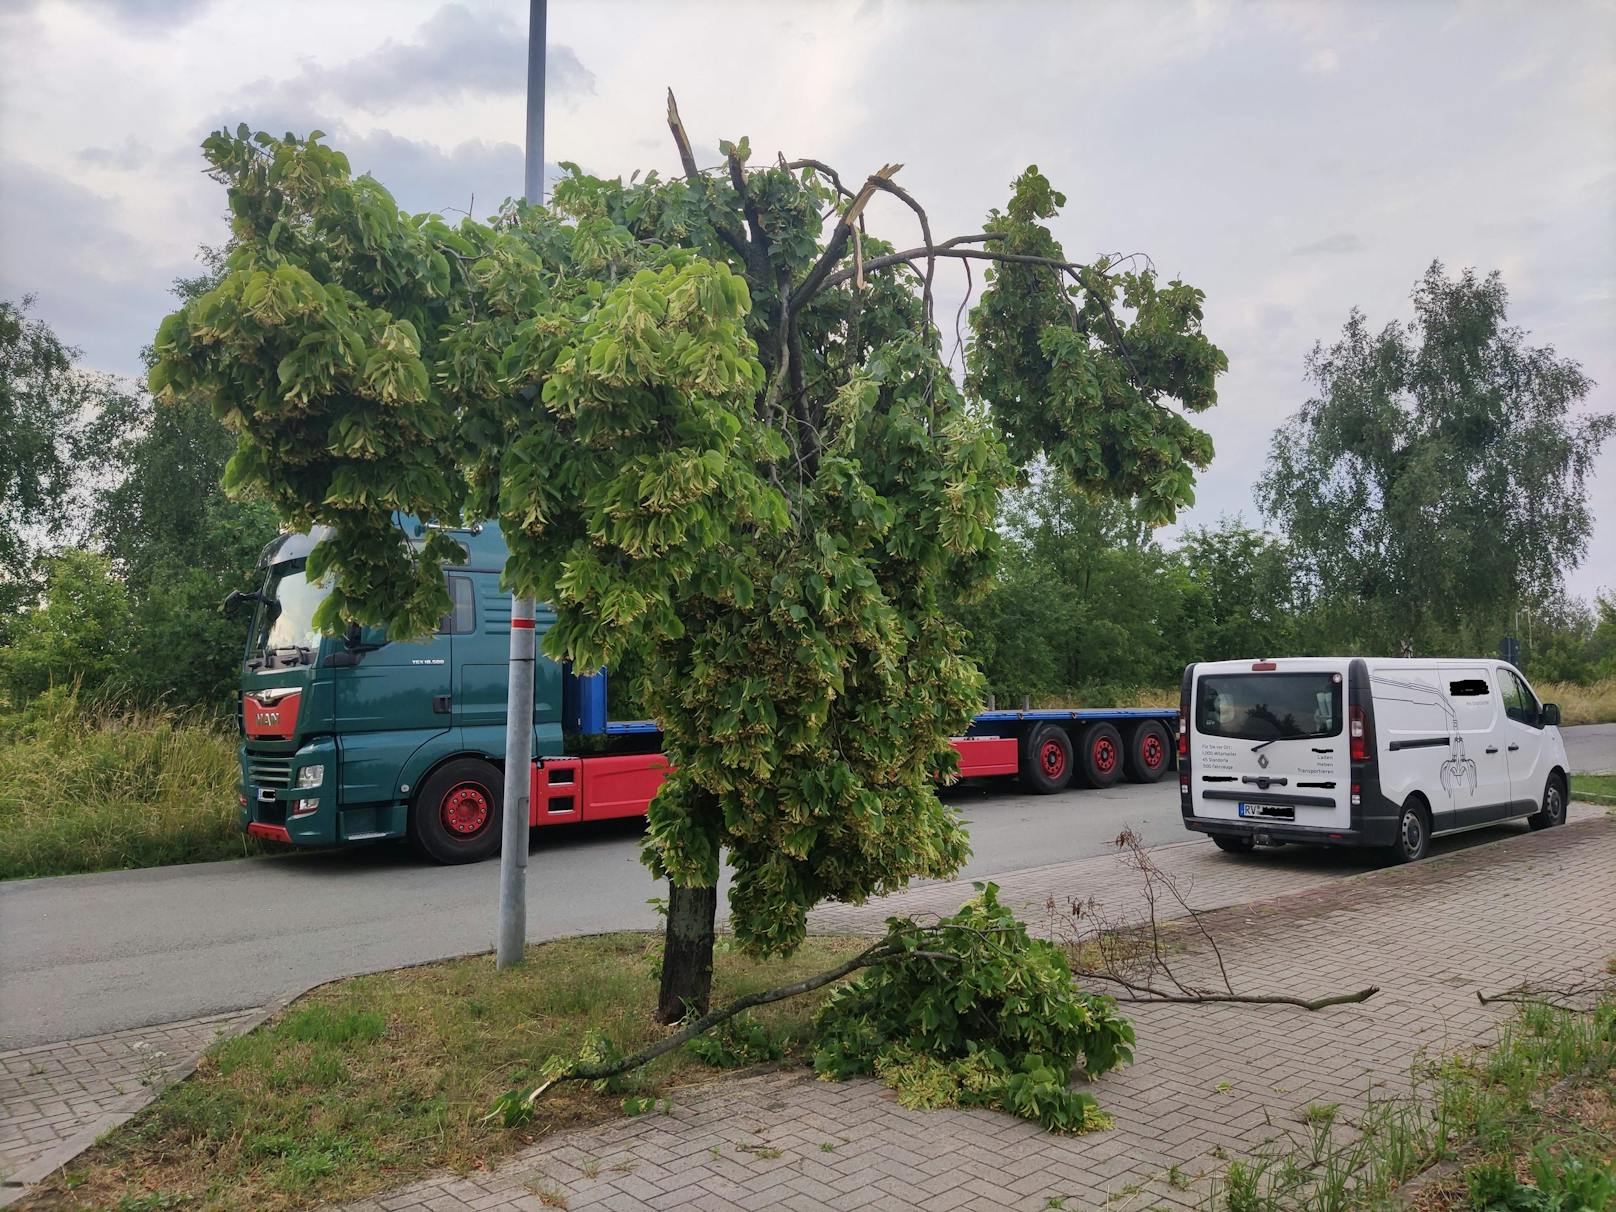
(1550, 715)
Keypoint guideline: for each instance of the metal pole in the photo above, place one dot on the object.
(519, 694)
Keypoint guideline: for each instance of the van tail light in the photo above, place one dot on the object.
(1357, 796)
(1183, 735)
(1358, 731)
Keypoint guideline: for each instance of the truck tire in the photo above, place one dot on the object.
(1147, 756)
(1046, 763)
(455, 816)
(1100, 755)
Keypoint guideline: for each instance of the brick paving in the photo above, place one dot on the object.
(54, 1094)
(1208, 1080)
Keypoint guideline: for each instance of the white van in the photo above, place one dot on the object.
(1364, 752)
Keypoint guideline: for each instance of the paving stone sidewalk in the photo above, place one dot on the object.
(1208, 1079)
(55, 1099)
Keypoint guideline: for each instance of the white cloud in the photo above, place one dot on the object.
(1324, 61)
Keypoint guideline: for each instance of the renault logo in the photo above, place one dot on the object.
(1262, 760)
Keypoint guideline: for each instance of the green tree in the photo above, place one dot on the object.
(1438, 478)
(76, 635)
(713, 432)
(1243, 597)
(44, 404)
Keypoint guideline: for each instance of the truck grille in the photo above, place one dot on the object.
(269, 771)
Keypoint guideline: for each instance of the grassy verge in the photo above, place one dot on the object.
(1591, 704)
(369, 1082)
(85, 790)
(1528, 1125)
(1594, 788)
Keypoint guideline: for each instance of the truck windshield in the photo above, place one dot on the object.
(283, 630)
(1269, 706)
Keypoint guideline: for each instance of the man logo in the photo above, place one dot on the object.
(265, 718)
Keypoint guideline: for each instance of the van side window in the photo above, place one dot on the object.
(462, 616)
(1519, 703)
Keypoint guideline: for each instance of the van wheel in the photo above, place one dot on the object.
(455, 816)
(1413, 834)
(1233, 845)
(1146, 759)
(1554, 806)
(1046, 767)
(1101, 755)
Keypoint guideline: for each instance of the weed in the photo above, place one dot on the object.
(1176, 1178)
(590, 1168)
(826, 1146)
(766, 1152)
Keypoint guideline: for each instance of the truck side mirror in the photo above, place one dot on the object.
(351, 636)
(233, 600)
(1550, 715)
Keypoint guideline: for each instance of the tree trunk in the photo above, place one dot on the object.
(687, 953)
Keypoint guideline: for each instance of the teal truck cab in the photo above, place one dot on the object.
(358, 738)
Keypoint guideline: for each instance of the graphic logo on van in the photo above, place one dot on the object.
(1459, 769)
(1262, 760)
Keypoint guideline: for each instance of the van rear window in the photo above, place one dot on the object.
(1262, 706)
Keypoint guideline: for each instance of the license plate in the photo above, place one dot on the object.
(1250, 809)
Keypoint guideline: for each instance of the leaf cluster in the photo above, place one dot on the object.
(977, 1014)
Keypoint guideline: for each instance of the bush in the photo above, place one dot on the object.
(76, 636)
(980, 1014)
(87, 789)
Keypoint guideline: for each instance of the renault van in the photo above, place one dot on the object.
(1364, 752)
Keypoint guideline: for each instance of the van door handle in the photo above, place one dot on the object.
(441, 704)
(1492, 748)
(1513, 748)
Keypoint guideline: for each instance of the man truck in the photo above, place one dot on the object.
(358, 738)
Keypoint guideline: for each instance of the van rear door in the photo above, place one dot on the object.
(1269, 744)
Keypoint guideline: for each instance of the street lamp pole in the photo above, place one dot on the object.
(519, 691)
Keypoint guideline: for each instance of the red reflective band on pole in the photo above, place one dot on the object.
(527, 623)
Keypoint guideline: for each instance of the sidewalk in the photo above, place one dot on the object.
(1213, 1077)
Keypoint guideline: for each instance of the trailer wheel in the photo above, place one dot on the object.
(1147, 753)
(1046, 765)
(455, 816)
(1101, 755)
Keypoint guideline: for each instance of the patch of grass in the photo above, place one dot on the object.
(1594, 703)
(1594, 788)
(88, 790)
(1531, 1122)
(374, 1080)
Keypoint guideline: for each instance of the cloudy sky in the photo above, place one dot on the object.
(1291, 159)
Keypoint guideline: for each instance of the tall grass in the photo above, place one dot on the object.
(1591, 704)
(88, 789)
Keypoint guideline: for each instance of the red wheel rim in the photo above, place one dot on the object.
(465, 810)
(1105, 755)
(1052, 758)
(1153, 751)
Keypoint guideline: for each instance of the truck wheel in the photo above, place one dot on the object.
(1146, 759)
(455, 816)
(1101, 755)
(1554, 806)
(1046, 766)
(1413, 833)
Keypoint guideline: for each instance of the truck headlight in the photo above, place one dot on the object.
(311, 776)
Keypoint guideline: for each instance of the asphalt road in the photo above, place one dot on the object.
(84, 954)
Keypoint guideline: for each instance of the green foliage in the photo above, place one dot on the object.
(1070, 378)
(1438, 480)
(739, 1041)
(978, 1014)
(709, 452)
(78, 635)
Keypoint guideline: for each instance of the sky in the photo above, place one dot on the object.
(1292, 160)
